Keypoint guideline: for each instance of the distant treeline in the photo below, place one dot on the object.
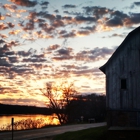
(89, 106)
(20, 109)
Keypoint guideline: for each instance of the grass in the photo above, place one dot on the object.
(98, 133)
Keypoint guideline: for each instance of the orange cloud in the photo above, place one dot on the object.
(3, 26)
(21, 11)
(27, 3)
(14, 32)
(103, 28)
(3, 36)
(10, 7)
(2, 17)
(83, 33)
(53, 47)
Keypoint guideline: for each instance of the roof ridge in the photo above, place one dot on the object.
(102, 68)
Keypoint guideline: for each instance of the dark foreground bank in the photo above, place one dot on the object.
(99, 133)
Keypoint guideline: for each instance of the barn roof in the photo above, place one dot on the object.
(128, 37)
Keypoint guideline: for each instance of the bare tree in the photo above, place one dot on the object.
(59, 98)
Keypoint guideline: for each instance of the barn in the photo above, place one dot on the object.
(122, 72)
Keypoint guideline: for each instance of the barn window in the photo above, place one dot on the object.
(123, 84)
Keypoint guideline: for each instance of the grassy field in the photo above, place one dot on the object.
(99, 133)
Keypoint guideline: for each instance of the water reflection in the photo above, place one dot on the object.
(27, 121)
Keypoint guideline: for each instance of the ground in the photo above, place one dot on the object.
(45, 138)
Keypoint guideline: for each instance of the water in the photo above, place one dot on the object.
(47, 119)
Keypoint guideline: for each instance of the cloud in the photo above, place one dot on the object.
(38, 56)
(10, 7)
(34, 60)
(4, 63)
(45, 25)
(46, 28)
(2, 17)
(63, 54)
(85, 87)
(133, 19)
(3, 90)
(50, 17)
(2, 41)
(137, 3)
(44, 3)
(13, 59)
(13, 43)
(21, 101)
(97, 11)
(3, 36)
(11, 25)
(39, 20)
(94, 55)
(20, 71)
(64, 57)
(86, 55)
(53, 47)
(111, 18)
(40, 24)
(29, 26)
(83, 33)
(118, 35)
(69, 6)
(122, 35)
(56, 11)
(74, 71)
(40, 34)
(69, 67)
(14, 32)
(68, 35)
(90, 28)
(62, 32)
(4, 48)
(37, 66)
(114, 22)
(27, 3)
(86, 71)
(84, 19)
(3, 26)
(119, 14)
(58, 23)
(12, 62)
(72, 13)
(24, 53)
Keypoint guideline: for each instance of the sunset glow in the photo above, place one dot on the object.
(41, 120)
(54, 41)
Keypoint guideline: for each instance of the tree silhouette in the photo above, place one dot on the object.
(59, 98)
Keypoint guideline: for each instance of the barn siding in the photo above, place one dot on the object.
(125, 65)
(124, 104)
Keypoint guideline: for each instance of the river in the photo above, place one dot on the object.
(42, 120)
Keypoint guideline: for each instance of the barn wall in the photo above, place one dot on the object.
(126, 65)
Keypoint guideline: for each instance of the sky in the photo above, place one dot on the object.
(59, 40)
